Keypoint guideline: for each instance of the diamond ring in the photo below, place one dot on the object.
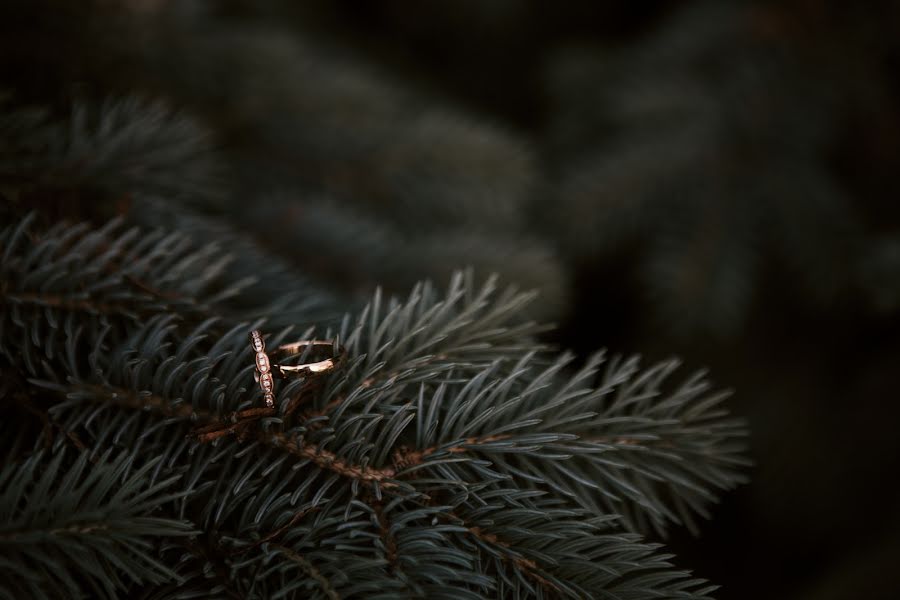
(265, 367)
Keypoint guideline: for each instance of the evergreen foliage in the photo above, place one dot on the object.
(71, 526)
(701, 148)
(452, 455)
(121, 145)
(335, 154)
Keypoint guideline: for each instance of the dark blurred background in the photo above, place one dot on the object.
(712, 180)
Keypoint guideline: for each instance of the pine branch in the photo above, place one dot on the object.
(444, 407)
(73, 528)
(533, 541)
(98, 285)
(349, 246)
(280, 293)
(450, 456)
(625, 447)
(120, 148)
(430, 402)
(309, 570)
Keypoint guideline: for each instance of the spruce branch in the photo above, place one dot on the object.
(281, 294)
(624, 447)
(451, 455)
(431, 402)
(72, 282)
(76, 528)
(534, 542)
(119, 148)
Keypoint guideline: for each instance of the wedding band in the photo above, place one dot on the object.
(305, 369)
(265, 367)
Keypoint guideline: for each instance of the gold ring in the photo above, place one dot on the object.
(265, 367)
(305, 369)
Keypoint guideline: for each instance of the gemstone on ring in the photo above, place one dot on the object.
(257, 342)
(263, 374)
(265, 368)
(265, 382)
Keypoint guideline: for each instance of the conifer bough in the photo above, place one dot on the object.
(450, 456)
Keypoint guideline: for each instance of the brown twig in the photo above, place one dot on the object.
(280, 531)
(237, 422)
(329, 460)
(628, 441)
(157, 404)
(309, 569)
(405, 458)
(60, 302)
(152, 291)
(384, 530)
(323, 458)
(75, 528)
(527, 566)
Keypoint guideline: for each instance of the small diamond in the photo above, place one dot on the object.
(263, 373)
(256, 340)
(265, 380)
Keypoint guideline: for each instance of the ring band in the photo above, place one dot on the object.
(265, 367)
(314, 368)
